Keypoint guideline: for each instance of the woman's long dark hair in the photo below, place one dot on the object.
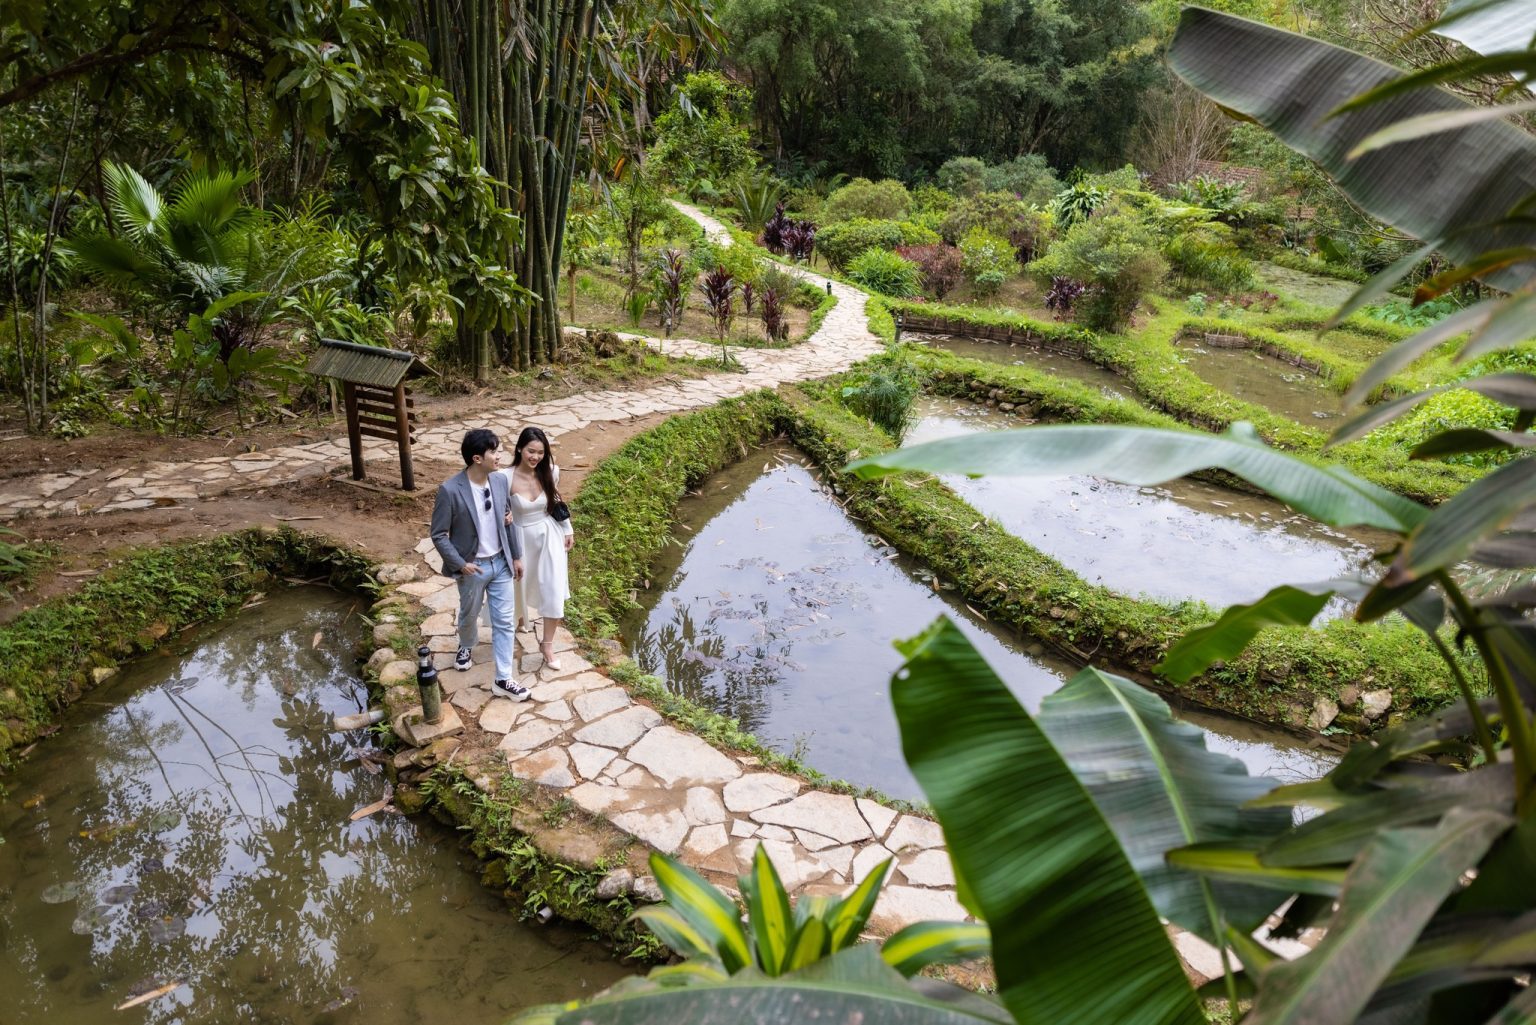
(543, 472)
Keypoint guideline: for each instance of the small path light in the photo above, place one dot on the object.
(900, 323)
(829, 286)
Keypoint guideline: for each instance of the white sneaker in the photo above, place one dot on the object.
(507, 689)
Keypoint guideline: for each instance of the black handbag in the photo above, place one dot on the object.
(559, 512)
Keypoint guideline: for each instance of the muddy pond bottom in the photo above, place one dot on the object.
(187, 838)
(1254, 376)
(777, 610)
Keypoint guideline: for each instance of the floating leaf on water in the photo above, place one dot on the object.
(165, 818)
(150, 864)
(89, 920)
(163, 930)
(348, 994)
(62, 893)
(119, 894)
(150, 909)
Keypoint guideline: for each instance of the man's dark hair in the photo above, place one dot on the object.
(478, 442)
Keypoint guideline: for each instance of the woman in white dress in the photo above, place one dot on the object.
(545, 585)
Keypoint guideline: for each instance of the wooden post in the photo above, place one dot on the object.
(354, 429)
(403, 430)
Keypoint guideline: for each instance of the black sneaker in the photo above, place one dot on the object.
(508, 689)
(461, 661)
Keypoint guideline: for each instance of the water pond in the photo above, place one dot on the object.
(1315, 289)
(1183, 539)
(776, 609)
(1254, 376)
(1059, 364)
(189, 833)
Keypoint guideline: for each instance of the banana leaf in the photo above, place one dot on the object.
(1433, 187)
(1159, 788)
(1075, 937)
(1389, 895)
(855, 985)
(1146, 455)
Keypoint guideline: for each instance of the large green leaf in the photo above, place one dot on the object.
(1043, 865)
(711, 914)
(1391, 892)
(1160, 788)
(1482, 510)
(1431, 188)
(928, 943)
(852, 986)
(1145, 455)
(1286, 605)
(1338, 836)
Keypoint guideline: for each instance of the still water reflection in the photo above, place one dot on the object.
(1183, 539)
(189, 831)
(777, 610)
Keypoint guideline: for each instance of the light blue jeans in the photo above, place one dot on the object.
(494, 587)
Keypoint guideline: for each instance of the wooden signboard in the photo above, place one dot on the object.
(378, 404)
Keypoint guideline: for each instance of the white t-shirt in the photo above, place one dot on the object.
(486, 524)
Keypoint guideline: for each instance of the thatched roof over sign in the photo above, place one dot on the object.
(365, 364)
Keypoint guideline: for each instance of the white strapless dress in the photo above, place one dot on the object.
(546, 581)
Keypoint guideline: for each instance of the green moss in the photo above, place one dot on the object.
(1016, 584)
(520, 854)
(49, 651)
(1316, 265)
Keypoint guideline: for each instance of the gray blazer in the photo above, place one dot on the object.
(454, 531)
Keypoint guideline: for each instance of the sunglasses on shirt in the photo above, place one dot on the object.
(487, 499)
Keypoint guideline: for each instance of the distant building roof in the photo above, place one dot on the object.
(365, 364)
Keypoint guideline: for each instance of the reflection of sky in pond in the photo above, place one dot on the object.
(777, 610)
(191, 824)
(1183, 539)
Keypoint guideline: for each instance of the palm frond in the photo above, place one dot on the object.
(136, 204)
(212, 201)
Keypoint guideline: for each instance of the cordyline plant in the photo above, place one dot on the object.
(719, 288)
(775, 326)
(748, 295)
(800, 240)
(1063, 295)
(772, 237)
(672, 293)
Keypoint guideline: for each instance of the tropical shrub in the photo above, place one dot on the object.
(962, 177)
(794, 947)
(884, 396)
(702, 142)
(839, 243)
(886, 200)
(800, 240)
(987, 259)
(1076, 203)
(1116, 254)
(1206, 256)
(758, 199)
(883, 271)
(939, 267)
(1028, 177)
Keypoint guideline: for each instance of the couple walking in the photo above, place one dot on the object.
(500, 538)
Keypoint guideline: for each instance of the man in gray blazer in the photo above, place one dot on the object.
(482, 553)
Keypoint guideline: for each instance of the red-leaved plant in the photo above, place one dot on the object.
(719, 288)
(939, 267)
(774, 324)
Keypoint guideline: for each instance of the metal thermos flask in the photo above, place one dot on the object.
(431, 693)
